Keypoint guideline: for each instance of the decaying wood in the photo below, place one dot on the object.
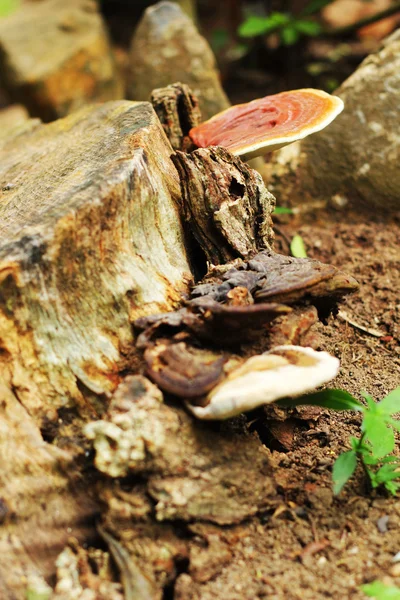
(85, 572)
(189, 474)
(92, 243)
(225, 203)
(90, 240)
(178, 110)
(55, 57)
(44, 500)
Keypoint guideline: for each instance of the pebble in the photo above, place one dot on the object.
(382, 524)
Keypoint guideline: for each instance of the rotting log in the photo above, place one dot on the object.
(90, 240)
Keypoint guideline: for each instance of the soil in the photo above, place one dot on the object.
(315, 545)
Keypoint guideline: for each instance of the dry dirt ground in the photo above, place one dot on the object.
(316, 545)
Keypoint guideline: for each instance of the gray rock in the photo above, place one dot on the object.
(358, 156)
(167, 48)
(55, 57)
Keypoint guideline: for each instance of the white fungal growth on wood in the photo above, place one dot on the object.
(285, 371)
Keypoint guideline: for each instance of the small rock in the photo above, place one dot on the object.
(356, 158)
(396, 558)
(55, 57)
(360, 151)
(320, 498)
(11, 118)
(395, 570)
(175, 51)
(382, 524)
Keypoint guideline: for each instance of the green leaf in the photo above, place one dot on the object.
(343, 469)
(380, 436)
(38, 590)
(394, 423)
(380, 591)
(393, 460)
(370, 401)
(310, 28)
(368, 459)
(331, 84)
(8, 6)
(387, 473)
(279, 19)
(329, 398)
(237, 51)
(282, 210)
(390, 405)
(253, 26)
(358, 446)
(38, 595)
(392, 487)
(289, 36)
(297, 247)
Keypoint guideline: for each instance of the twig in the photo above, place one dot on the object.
(375, 332)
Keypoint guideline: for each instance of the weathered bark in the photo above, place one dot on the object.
(225, 203)
(55, 57)
(44, 500)
(90, 240)
(178, 110)
(189, 474)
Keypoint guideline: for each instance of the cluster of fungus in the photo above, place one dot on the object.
(193, 353)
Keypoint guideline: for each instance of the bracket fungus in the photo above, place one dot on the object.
(264, 125)
(285, 371)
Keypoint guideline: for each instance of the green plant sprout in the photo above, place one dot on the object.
(8, 6)
(289, 27)
(283, 210)
(298, 247)
(373, 449)
(380, 591)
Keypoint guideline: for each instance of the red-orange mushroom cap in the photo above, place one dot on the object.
(266, 124)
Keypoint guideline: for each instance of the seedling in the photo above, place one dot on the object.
(298, 247)
(374, 447)
(289, 27)
(380, 591)
(283, 210)
(8, 6)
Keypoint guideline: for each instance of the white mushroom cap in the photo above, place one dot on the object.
(285, 371)
(266, 124)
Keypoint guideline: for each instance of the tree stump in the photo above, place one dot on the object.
(90, 240)
(94, 229)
